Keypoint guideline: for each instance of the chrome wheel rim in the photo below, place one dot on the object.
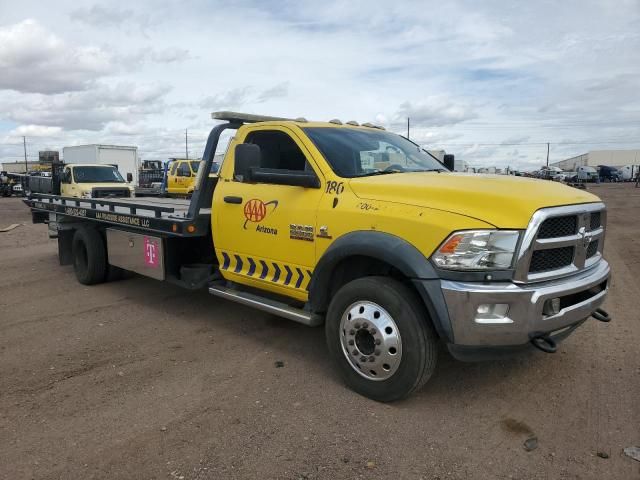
(370, 340)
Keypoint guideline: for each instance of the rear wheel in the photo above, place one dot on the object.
(89, 256)
(381, 338)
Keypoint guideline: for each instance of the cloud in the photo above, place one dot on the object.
(91, 109)
(149, 55)
(465, 72)
(433, 111)
(35, 131)
(102, 16)
(230, 99)
(32, 59)
(277, 91)
(242, 96)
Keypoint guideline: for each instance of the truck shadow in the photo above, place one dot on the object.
(304, 345)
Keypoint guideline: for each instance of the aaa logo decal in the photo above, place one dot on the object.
(255, 210)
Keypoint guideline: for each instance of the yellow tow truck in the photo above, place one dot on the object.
(181, 177)
(363, 231)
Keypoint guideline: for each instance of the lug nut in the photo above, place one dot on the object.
(363, 358)
(373, 331)
(357, 325)
(352, 332)
(378, 341)
(372, 359)
(365, 325)
(351, 342)
(376, 353)
(355, 351)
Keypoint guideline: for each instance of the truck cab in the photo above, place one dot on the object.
(181, 177)
(93, 181)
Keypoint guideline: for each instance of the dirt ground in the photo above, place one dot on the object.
(138, 379)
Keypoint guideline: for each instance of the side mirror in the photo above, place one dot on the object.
(129, 177)
(247, 156)
(449, 161)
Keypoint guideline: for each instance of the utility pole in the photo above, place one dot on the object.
(186, 145)
(24, 143)
(407, 128)
(547, 154)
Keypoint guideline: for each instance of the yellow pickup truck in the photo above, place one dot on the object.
(181, 177)
(363, 231)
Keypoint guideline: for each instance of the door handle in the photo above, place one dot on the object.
(232, 199)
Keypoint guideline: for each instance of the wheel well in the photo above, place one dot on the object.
(359, 266)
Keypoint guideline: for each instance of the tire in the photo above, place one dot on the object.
(89, 256)
(399, 346)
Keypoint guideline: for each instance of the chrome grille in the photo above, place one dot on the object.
(561, 241)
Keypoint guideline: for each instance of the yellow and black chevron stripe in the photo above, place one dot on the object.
(287, 275)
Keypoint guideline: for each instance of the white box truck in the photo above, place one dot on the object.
(124, 158)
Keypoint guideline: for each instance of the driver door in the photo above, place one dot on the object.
(264, 233)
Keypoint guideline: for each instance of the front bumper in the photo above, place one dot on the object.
(581, 295)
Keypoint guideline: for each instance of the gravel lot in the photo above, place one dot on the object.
(140, 379)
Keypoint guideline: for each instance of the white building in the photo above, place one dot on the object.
(610, 158)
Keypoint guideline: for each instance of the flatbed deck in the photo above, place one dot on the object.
(169, 216)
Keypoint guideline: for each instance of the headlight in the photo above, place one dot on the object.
(478, 250)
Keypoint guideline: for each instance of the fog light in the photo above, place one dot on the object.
(493, 313)
(551, 307)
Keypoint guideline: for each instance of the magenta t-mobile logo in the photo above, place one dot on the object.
(151, 252)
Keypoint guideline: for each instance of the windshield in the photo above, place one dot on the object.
(97, 175)
(358, 153)
(194, 166)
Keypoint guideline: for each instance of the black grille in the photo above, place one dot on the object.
(110, 192)
(550, 259)
(595, 220)
(558, 227)
(592, 249)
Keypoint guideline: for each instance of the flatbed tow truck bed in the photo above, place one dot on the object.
(168, 216)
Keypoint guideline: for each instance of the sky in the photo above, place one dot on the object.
(491, 82)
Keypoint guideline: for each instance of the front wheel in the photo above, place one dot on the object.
(381, 338)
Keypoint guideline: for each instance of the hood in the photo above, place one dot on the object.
(501, 200)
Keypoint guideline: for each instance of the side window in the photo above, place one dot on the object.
(66, 176)
(278, 150)
(174, 167)
(183, 170)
